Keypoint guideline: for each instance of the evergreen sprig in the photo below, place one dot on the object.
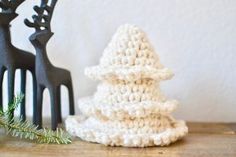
(24, 129)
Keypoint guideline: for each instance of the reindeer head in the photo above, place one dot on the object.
(41, 23)
(8, 10)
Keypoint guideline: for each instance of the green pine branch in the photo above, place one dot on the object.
(24, 129)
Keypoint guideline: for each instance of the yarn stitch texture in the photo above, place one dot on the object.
(128, 108)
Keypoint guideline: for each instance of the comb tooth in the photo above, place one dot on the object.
(38, 10)
(35, 17)
(28, 23)
(44, 2)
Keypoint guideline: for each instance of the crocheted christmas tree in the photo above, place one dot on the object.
(128, 108)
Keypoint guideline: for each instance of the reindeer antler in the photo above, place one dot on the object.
(10, 6)
(43, 17)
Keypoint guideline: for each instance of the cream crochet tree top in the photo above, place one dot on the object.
(128, 108)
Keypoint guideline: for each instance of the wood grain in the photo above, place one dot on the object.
(204, 140)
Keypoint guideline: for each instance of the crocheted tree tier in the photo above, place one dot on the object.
(128, 92)
(128, 73)
(150, 131)
(120, 111)
(129, 56)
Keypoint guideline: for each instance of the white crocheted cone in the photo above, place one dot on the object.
(128, 108)
(129, 56)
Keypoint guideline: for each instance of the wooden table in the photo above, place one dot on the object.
(204, 140)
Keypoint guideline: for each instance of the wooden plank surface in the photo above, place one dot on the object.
(204, 140)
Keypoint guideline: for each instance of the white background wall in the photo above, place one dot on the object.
(194, 38)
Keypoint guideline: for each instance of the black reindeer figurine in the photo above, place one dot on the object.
(47, 75)
(12, 58)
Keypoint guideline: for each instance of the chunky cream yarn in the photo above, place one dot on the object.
(128, 108)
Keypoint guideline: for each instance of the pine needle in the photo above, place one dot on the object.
(24, 129)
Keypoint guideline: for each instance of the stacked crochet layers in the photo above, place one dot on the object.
(128, 108)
